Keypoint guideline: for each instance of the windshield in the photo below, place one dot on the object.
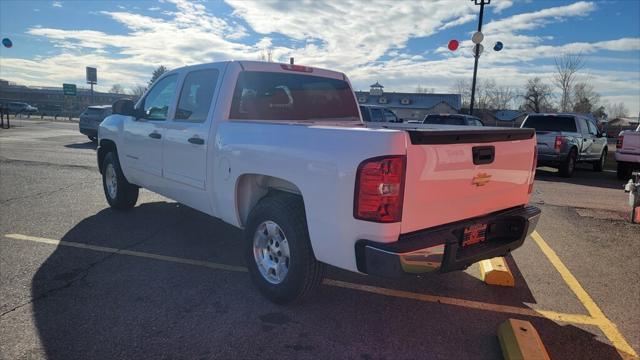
(93, 111)
(283, 96)
(444, 120)
(550, 123)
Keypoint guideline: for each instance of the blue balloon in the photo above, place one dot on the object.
(498, 46)
(7, 42)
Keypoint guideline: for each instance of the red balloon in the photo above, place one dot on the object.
(453, 45)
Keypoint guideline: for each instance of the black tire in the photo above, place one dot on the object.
(125, 195)
(304, 272)
(569, 165)
(599, 164)
(624, 171)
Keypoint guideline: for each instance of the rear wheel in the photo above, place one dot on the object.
(119, 192)
(278, 251)
(624, 171)
(599, 164)
(569, 165)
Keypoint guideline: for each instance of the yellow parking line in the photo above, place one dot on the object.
(470, 304)
(174, 259)
(608, 328)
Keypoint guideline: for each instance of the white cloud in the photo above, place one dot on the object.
(329, 34)
(57, 4)
(499, 5)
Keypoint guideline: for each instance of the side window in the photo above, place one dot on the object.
(156, 104)
(376, 115)
(592, 128)
(584, 128)
(365, 114)
(195, 96)
(390, 116)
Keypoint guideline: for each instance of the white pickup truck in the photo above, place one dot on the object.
(628, 153)
(280, 151)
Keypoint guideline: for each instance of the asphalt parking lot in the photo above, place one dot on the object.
(79, 280)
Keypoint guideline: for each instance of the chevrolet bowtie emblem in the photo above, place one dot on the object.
(481, 179)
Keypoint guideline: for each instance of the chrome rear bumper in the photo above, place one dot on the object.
(440, 248)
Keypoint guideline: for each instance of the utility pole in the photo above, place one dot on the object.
(476, 51)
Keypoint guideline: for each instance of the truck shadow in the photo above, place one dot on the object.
(101, 305)
(87, 145)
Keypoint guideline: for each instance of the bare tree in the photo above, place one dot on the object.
(116, 89)
(268, 56)
(617, 110)
(585, 98)
(137, 91)
(485, 90)
(502, 97)
(567, 66)
(537, 95)
(463, 87)
(424, 90)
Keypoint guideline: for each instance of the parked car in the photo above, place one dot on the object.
(374, 113)
(566, 139)
(280, 151)
(452, 119)
(628, 153)
(21, 108)
(91, 117)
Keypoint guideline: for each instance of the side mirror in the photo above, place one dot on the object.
(123, 107)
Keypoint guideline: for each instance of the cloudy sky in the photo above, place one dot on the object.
(402, 44)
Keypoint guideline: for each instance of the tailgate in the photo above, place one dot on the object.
(454, 175)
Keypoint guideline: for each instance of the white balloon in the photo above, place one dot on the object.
(480, 49)
(477, 37)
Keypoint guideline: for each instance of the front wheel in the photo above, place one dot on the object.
(599, 164)
(119, 192)
(278, 251)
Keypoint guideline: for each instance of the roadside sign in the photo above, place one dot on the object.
(92, 75)
(69, 89)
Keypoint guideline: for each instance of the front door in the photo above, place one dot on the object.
(143, 136)
(187, 137)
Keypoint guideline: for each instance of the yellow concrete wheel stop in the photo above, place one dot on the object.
(496, 272)
(519, 340)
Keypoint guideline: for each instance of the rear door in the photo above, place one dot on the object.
(143, 136)
(187, 135)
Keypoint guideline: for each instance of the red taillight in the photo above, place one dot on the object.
(299, 68)
(533, 168)
(558, 143)
(619, 142)
(380, 189)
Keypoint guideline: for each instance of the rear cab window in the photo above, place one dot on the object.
(551, 123)
(274, 96)
(444, 120)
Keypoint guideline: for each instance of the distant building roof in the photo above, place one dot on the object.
(624, 121)
(377, 84)
(410, 100)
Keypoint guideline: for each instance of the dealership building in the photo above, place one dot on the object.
(410, 106)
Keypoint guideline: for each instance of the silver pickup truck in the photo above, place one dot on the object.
(565, 139)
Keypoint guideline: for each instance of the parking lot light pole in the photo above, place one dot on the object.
(477, 53)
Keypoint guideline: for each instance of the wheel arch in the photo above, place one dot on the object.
(251, 188)
(105, 146)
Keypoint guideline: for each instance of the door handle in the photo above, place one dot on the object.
(196, 140)
(155, 135)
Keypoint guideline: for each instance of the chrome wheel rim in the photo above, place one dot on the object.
(111, 181)
(271, 252)
(603, 159)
